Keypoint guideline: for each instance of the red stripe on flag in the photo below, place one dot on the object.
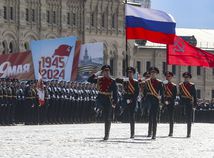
(157, 37)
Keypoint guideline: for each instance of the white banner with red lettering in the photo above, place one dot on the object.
(53, 58)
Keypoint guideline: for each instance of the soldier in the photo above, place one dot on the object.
(22, 98)
(51, 102)
(13, 101)
(107, 88)
(67, 102)
(144, 101)
(170, 92)
(131, 92)
(71, 102)
(153, 90)
(188, 99)
(9, 100)
(94, 93)
(44, 108)
(1, 101)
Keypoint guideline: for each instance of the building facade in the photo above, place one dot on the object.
(91, 21)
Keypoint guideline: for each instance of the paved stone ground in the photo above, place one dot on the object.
(85, 140)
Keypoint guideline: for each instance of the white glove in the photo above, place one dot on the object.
(165, 81)
(126, 79)
(98, 73)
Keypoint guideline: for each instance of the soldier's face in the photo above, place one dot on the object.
(169, 77)
(106, 73)
(153, 74)
(148, 76)
(186, 78)
(130, 74)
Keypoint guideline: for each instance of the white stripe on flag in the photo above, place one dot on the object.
(148, 14)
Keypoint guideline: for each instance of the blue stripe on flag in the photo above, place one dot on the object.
(157, 26)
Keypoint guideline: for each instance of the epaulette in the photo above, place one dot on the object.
(135, 80)
(125, 79)
(112, 78)
(173, 84)
(159, 80)
(147, 79)
(180, 83)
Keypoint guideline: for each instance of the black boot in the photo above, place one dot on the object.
(132, 129)
(188, 130)
(154, 131)
(171, 130)
(107, 130)
(150, 130)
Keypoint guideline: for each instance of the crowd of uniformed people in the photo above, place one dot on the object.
(75, 102)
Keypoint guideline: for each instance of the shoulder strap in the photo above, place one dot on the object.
(185, 91)
(151, 88)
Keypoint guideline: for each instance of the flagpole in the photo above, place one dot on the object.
(125, 26)
(126, 42)
(204, 82)
(167, 57)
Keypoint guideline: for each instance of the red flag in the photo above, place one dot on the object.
(40, 91)
(74, 72)
(183, 53)
(63, 50)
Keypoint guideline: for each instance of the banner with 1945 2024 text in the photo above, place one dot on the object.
(53, 58)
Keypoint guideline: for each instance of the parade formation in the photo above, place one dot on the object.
(102, 98)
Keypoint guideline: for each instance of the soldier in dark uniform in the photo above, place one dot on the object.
(94, 93)
(131, 92)
(28, 103)
(170, 92)
(13, 101)
(1, 101)
(22, 101)
(71, 102)
(9, 101)
(57, 91)
(153, 91)
(62, 101)
(67, 102)
(188, 99)
(144, 101)
(44, 108)
(107, 88)
(35, 107)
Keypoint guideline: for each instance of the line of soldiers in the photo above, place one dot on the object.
(65, 102)
(153, 93)
(72, 102)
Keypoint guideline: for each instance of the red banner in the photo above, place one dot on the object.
(76, 61)
(183, 53)
(17, 65)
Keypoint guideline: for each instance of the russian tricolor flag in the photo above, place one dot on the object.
(148, 24)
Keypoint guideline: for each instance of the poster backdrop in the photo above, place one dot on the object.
(90, 60)
(53, 58)
(17, 66)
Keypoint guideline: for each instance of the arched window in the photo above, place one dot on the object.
(11, 48)
(112, 66)
(27, 46)
(92, 19)
(103, 20)
(74, 19)
(5, 47)
(113, 21)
